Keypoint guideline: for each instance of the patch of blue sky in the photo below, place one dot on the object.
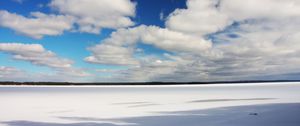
(150, 49)
(230, 32)
(8, 35)
(26, 6)
(148, 11)
(74, 45)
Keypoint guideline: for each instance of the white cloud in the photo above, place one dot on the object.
(120, 49)
(259, 49)
(173, 41)
(36, 54)
(201, 17)
(208, 16)
(37, 25)
(111, 54)
(254, 9)
(93, 15)
(149, 70)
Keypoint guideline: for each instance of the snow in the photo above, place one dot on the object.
(276, 104)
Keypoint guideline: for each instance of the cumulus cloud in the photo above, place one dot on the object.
(200, 18)
(208, 16)
(37, 25)
(119, 49)
(93, 15)
(38, 55)
(111, 54)
(264, 41)
(254, 9)
(149, 69)
(214, 40)
(262, 50)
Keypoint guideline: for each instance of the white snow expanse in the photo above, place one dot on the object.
(270, 104)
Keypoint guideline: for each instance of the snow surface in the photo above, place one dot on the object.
(276, 104)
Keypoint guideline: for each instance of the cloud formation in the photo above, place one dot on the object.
(93, 15)
(223, 40)
(37, 25)
(38, 55)
(120, 49)
(89, 15)
(207, 41)
(260, 9)
(200, 18)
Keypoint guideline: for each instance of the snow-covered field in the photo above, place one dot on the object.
(276, 104)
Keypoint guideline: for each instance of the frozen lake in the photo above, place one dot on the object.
(150, 105)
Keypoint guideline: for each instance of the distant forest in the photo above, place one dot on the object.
(141, 83)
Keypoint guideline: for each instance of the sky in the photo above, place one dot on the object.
(149, 40)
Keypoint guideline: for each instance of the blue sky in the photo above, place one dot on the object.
(148, 40)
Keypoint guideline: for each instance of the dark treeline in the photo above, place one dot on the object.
(142, 83)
